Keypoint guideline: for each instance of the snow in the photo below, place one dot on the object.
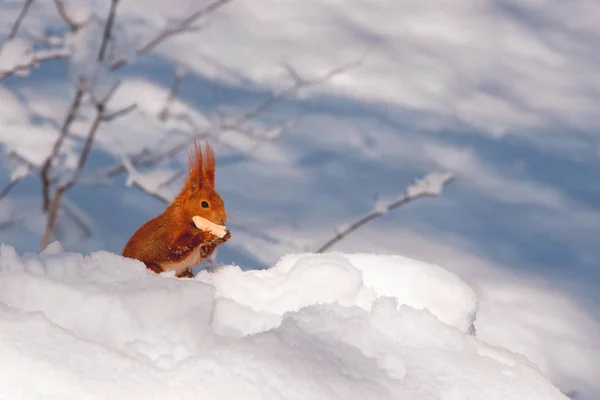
(431, 185)
(350, 326)
(298, 281)
(501, 94)
(18, 57)
(11, 53)
(20, 172)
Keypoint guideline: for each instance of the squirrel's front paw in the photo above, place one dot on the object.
(219, 240)
(206, 250)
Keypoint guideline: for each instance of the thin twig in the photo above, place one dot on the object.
(20, 18)
(144, 160)
(119, 113)
(9, 187)
(100, 107)
(67, 207)
(56, 200)
(64, 130)
(431, 185)
(151, 193)
(299, 83)
(183, 26)
(179, 75)
(107, 30)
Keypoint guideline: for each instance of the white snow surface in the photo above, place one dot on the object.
(502, 94)
(335, 326)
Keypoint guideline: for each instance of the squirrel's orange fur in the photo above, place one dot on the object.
(171, 241)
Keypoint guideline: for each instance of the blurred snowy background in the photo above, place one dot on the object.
(375, 94)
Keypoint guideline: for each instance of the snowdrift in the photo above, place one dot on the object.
(334, 326)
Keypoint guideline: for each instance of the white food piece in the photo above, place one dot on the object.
(205, 225)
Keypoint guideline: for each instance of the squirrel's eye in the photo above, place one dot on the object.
(204, 204)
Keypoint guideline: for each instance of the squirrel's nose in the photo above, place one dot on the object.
(221, 219)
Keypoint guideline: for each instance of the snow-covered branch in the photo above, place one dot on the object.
(431, 185)
(18, 58)
(147, 185)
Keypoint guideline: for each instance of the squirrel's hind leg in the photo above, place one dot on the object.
(154, 267)
(186, 274)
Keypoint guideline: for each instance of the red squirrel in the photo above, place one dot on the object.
(171, 241)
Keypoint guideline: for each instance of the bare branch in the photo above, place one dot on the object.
(119, 113)
(167, 33)
(107, 30)
(262, 136)
(56, 200)
(179, 76)
(156, 195)
(183, 26)
(16, 176)
(143, 160)
(62, 12)
(293, 73)
(66, 126)
(101, 116)
(299, 83)
(86, 148)
(430, 185)
(100, 102)
(111, 50)
(9, 187)
(23, 170)
(20, 18)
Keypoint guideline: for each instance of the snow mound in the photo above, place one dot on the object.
(300, 280)
(333, 326)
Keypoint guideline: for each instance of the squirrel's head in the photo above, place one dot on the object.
(199, 196)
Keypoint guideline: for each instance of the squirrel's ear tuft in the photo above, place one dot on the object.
(195, 161)
(208, 165)
(196, 172)
(201, 167)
